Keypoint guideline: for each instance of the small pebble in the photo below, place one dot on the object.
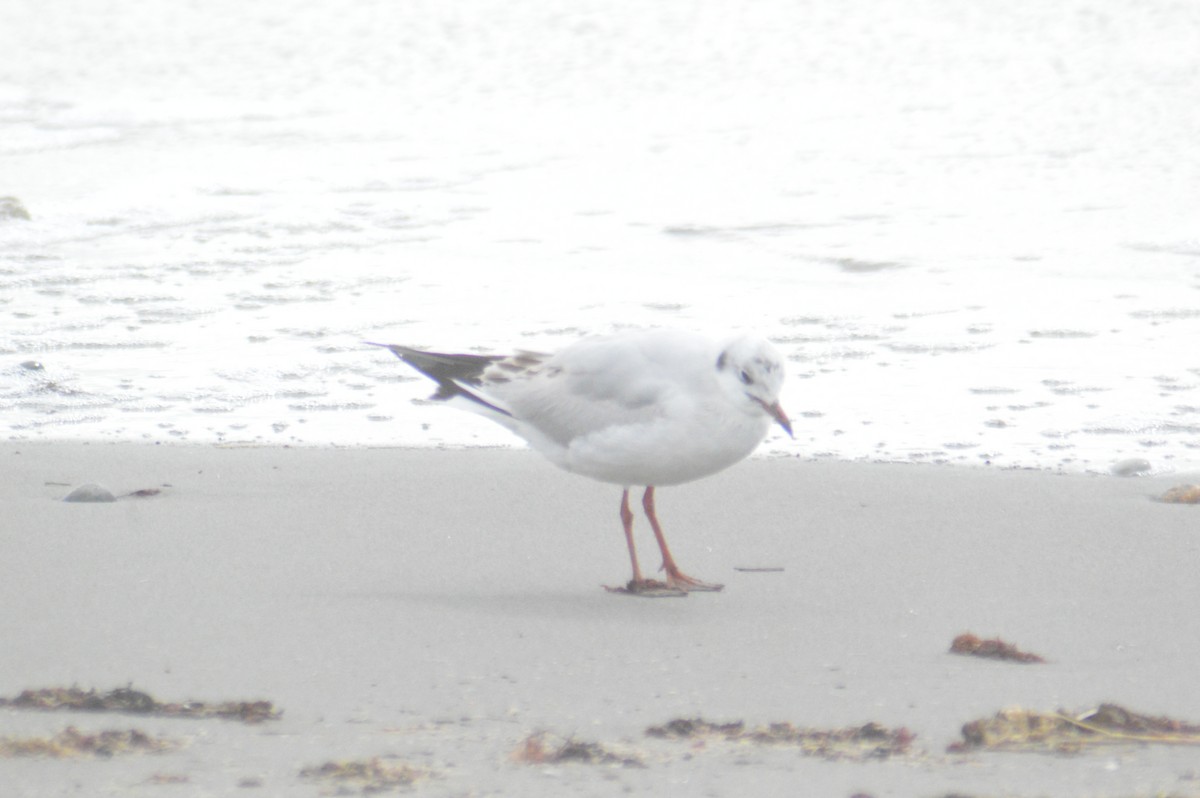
(1131, 467)
(90, 493)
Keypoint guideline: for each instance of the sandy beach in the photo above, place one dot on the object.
(969, 228)
(437, 608)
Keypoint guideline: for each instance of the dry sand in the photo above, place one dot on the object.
(435, 608)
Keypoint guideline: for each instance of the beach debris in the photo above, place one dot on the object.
(857, 743)
(1132, 467)
(143, 493)
(130, 701)
(90, 492)
(368, 775)
(542, 748)
(11, 208)
(1182, 494)
(970, 645)
(1018, 729)
(759, 569)
(71, 742)
(693, 728)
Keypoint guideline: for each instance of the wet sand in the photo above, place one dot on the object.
(436, 608)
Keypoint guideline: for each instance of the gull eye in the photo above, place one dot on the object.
(746, 378)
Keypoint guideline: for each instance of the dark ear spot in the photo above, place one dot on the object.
(721, 362)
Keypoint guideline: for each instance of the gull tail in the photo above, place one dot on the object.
(452, 373)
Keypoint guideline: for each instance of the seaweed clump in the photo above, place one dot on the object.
(969, 645)
(543, 749)
(856, 743)
(369, 775)
(129, 701)
(71, 742)
(1020, 729)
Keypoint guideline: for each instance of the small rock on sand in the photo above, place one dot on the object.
(90, 493)
(1131, 467)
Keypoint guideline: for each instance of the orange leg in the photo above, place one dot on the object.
(639, 585)
(627, 522)
(675, 577)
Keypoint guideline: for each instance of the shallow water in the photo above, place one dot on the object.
(972, 230)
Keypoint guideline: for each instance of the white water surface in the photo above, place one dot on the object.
(973, 228)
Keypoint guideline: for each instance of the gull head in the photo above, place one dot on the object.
(750, 370)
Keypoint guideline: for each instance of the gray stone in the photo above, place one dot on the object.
(90, 493)
(1132, 467)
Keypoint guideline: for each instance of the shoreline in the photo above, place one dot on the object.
(441, 606)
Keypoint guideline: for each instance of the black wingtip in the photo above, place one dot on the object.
(448, 371)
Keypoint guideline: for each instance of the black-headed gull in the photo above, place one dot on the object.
(647, 407)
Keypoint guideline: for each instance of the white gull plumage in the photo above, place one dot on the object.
(646, 407)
